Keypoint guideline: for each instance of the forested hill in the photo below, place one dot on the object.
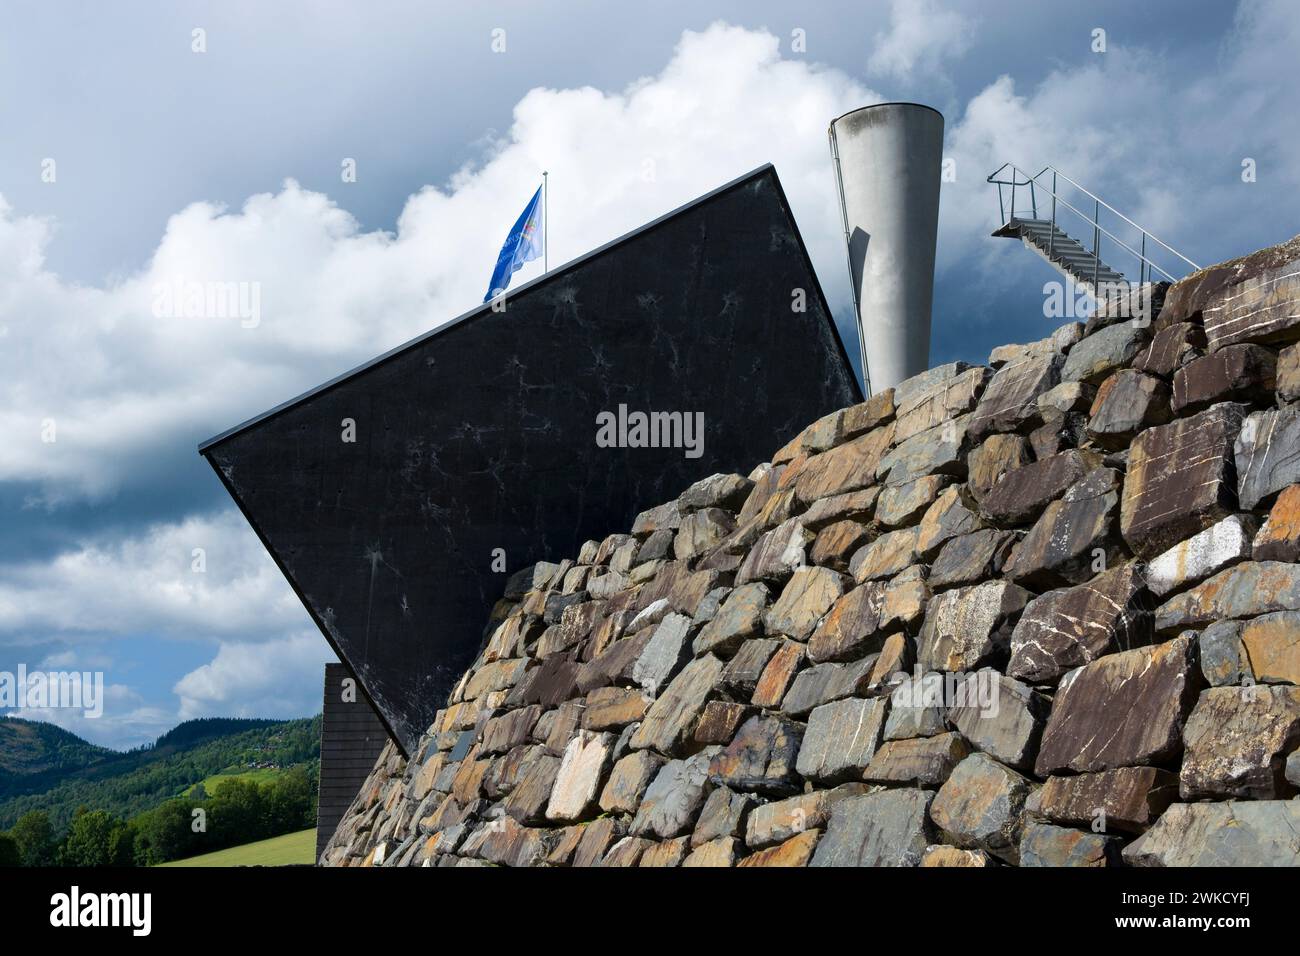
(45, 768)
(31, 747)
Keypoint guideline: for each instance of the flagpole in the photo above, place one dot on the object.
(546, 228)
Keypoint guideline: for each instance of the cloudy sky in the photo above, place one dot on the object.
(138, 154)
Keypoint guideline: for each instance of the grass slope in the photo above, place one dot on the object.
(284, 850)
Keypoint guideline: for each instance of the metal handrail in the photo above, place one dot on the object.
(1095, 220)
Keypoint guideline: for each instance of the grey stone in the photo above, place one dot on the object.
(672, 716)
(670, 803)
(824, 683)
(1237, 740)
(889, 828)
(967, 627)
(664, 654)
(1267, 453)
(1047, 845)
(1252, 833)
(739, 618)
(1101, 353)
(981, 807)
(724, 814)
(841, 738)
(1007, 728)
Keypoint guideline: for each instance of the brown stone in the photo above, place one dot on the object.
(1067, 628)
(1244, 590)
(1122, 710)
(1279, 538)
(626, 852)
(609, 708)
(1010, 398)
(778, 675)
(595, 840)
(745, 669)
(1130, 798)
(1245, 373)
(845, 468)
(980, 806)
(628, 781)
(506, 843)
(904, 504)
(996, 455)
(851, 506)
(581, 774)
(796, 851)
(941, 855)
(953, 513)
(672, 717)
(1171, 349)
(724, 814)
(850, 629)
(761, 757)
(807, 596)
(776, 554)
(716, 853)
(509, 730)
(1288, 373)
(527, 802)
(667, 853)
(1127, 402)
(935, 399)
(1272, 644)
(1022, 494)
(738, 619)
(1179, 479)
(1256, 303)
(876, 410)
(886, 556)
(836, 543)
(1065, 543)
(1046, 845)
(917, 761)
(719, 721)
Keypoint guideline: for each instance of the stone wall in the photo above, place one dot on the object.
(1044, 612)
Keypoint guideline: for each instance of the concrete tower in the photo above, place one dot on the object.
(887, 162)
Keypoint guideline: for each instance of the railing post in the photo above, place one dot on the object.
(1051, 236)
(1096, 245)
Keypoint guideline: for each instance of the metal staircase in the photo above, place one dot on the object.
(1083, 265)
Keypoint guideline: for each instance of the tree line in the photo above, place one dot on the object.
(237, 811)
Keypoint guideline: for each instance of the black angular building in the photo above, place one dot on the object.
(392, 495)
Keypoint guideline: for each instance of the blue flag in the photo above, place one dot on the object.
(524, 244)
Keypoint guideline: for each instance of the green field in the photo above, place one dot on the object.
(261, 776)
(284, 850)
